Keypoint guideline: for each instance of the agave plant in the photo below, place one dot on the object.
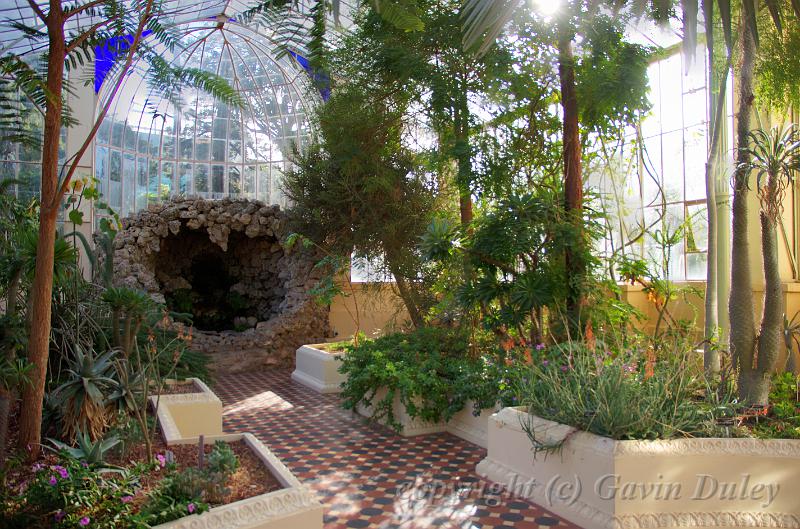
(83, 398)
(92, 452)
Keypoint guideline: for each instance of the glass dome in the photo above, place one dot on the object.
(147, 149)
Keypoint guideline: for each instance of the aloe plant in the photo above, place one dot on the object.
(92, 452)
(90, 377)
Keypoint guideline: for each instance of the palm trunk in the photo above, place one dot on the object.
(740, 303)
(573, 179)
(30, 427)
(754, 388)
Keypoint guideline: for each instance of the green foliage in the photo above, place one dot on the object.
(515, 253)
(778, 67)
(430, 370)
(72, 495)
(92, 452)
(784, 420)
(611, 78)
(359, 191)
(178, 494)
(618, 395)
(222, 460)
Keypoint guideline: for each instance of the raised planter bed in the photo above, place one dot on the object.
(292, 506)
(470, 427)
(410, 426)
(600, 483)
(318, 368)
(183, 416)
(463, 424)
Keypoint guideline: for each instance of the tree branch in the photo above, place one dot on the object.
(38, 11)
(81, 9)
(80, 39)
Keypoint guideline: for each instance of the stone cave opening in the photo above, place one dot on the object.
(229, 289)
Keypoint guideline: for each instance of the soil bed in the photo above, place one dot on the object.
(180, 388)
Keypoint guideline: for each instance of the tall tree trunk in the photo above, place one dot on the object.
(711, 361)
(30, 426)
(573, 178)
(740, 303)
(463, 159)
(754, 388)
(711, 355)
(5, 415)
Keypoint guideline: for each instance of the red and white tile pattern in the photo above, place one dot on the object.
(366, 475)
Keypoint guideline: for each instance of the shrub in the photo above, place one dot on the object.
(72, 495)
(432, 370)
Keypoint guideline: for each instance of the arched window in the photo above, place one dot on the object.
(148, 150)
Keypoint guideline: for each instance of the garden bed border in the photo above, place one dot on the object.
(292, 506)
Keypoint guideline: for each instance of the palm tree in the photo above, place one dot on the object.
(69, 33)
(772, 156)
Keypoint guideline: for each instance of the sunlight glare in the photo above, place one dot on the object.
(546, 8)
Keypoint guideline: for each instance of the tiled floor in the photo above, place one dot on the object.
(367, 476)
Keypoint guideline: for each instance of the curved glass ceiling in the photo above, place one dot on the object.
(147, 150)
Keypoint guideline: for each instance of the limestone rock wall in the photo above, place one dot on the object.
(147, 256)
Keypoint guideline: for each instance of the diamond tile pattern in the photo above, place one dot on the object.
(366, 475)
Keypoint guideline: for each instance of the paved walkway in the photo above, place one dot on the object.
(367, 476)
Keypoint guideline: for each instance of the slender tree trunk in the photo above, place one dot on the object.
(30, 426)
(409, 300)
(573, 178)
(740, 303)
(711, 360)
(5, 413)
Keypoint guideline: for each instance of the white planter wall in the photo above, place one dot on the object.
(318, 369)
(599, 483)
(183, 417)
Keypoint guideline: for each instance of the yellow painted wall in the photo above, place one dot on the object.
(380, 310)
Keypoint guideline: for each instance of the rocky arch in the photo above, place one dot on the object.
(224, 261)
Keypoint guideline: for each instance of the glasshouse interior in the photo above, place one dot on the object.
(469, 264)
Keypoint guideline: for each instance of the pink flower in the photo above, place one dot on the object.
(540, 346)
(84, 521)
(37, 467)
(191, 508)
(162, 461)
(564, 369)
(126, 499)
(545, 363)
(52, 481)
(61, 471)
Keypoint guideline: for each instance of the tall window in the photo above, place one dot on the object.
(657, 181)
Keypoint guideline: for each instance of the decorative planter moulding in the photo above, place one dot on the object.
(183, 417)
(599, 483)
(318, 369)
(293, 506)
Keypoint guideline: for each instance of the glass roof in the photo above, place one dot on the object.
(177, 12)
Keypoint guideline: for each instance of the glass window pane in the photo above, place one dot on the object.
(217, 180)
(201, 178)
